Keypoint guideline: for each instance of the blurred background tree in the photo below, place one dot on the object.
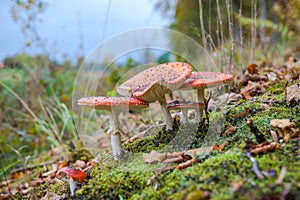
(271, 16)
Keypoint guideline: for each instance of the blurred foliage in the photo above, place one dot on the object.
(281, 16)
(36, 98)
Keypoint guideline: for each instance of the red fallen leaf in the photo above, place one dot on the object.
(75, 174)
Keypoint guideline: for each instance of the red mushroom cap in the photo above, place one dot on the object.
(109, 103)
(206, 79)
(151, 84)
(75, 174)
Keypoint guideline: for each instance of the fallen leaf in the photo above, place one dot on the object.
(221, 147)
(154, 157)
(293, 95)
(187, 164)
(252, 68)
(242, 114)
(254, 88)
(52, 196)
(230, 129)
(244, 79)
(264, 147)
(246, 95)
(198, 151)
(174, 160)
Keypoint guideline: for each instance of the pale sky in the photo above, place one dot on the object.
(60, 26)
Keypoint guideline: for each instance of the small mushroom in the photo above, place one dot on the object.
(152, 84)
(285, 128)
(200, 81)
(184, 107)
(76, 176)
(114, 105)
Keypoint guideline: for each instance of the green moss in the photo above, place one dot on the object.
(215, 172)
(80, 154)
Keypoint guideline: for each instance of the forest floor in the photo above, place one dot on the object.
(253, 154)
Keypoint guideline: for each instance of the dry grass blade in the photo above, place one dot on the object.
(20, 99)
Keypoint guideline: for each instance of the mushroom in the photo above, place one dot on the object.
(152, 84)
(114, 105)
(76, 176)
(286, 128)
(202, 80)
(184, 107)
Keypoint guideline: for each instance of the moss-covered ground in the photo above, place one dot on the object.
(223, 174)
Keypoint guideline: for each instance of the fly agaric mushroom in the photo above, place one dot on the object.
(152, 84)
(114, 105)
(184, 107)
(200, 81)
(76, 175)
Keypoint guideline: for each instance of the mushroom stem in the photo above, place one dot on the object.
(115, 136)
(184, 115)
(72, 184)
(166, 113)
(199, 111)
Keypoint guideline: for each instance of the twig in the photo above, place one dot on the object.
(254, 167)
(281, 176)
(33, 166)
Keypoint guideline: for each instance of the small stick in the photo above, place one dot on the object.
(254, 167)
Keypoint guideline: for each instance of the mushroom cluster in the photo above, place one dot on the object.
(152, 85)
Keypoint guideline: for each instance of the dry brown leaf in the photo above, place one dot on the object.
(221, 147)
(246, 78)
(293, 95)
(187, 164)
(252, 68)
(264, 147)
(242, 114)
(198, 151)
(246, 95)
(52, 196)
(230, 129)
(154, 157)
(253, 88)
(174, 160)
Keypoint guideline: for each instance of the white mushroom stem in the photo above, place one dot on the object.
(166, 113)
(73, 185)
(115, 134)
(201, 99)
(184, 115)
